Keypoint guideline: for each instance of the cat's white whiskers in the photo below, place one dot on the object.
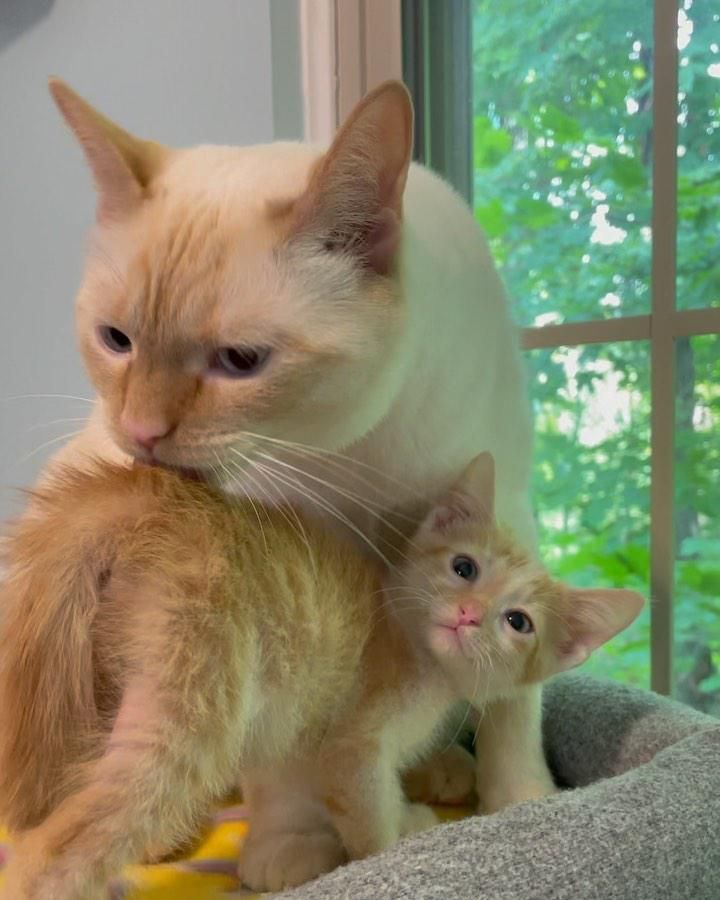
(56, 422)
(322, 453)
(348, 495)
(344, 467)
(389, 589)
(385, 610)
(46, 397)
(291, 482)
(315, 498)
(285, 511)
(44, 446)
(252, 504)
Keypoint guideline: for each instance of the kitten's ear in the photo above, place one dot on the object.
(590, 618)
(122, 165)
(354, 199)
(471, 499)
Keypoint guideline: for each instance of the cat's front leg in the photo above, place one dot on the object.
(291, 839)
(511, 764)
(361, 788)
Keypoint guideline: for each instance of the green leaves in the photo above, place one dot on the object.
(563, 167)
(627, 172)
(492, 218)
(534, 213)
(490, 144)
(559, 125)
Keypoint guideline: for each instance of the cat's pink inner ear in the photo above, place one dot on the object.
(471, 499)
(122, 165)
(448, 515)
(354, 198)
(592, 617)
(383, 241)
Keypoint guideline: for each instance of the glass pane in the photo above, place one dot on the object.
(592, 479)
(698, 282)
(697, 523)
(562, 153)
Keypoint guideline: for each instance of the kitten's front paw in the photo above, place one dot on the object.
(417, 817)
(445, 778)
(275, 860)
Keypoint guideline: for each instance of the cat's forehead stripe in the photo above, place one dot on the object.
(189, 260)
(181, 266)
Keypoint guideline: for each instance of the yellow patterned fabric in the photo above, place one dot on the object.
(206, 873)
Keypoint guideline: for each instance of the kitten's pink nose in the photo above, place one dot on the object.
(467, 616)
(146, 432)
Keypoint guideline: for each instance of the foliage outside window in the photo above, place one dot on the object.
(562, 159)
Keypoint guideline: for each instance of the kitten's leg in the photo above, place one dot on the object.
(511, 765)
(158, 773)
(417, 817)
(292, 839)
(364, 796)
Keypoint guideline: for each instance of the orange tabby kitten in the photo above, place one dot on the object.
(157, 638)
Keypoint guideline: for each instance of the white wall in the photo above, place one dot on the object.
(180, 72)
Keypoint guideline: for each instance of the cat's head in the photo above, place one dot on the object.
(492, 617)
(238, 291)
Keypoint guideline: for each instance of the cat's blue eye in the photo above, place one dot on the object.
(466, 568)
(519, 621)
(114, 339)
(239, 362)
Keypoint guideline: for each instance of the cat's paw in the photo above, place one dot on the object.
(417, 817)
(275, 860)
(446, 778)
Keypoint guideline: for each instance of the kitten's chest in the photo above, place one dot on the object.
(418, 727)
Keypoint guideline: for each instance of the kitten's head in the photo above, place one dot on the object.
(239, 291)
(492, 617)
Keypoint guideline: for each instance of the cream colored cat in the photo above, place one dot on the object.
(155, 642)
(250, 312)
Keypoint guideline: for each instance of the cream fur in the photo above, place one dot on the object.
(408, 372)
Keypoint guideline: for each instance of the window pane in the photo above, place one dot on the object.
(698, 282)
(592, 477)
(562, 153)
(697, 523)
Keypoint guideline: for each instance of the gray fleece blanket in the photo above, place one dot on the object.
(640, 820)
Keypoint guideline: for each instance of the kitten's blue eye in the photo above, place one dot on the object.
(519, 621)
(239, 362)
(114, 339)
(465, 568)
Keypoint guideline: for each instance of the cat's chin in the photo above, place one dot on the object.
(445, 641)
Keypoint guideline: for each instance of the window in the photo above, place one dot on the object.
(586, 136)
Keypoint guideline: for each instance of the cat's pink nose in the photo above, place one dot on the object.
(467, 616)
(145, 432)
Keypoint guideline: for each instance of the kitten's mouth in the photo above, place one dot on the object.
(447, 638)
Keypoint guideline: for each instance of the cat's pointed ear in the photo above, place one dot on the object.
(354, 200)
(122, 165)
(471, 499)
(591, 617)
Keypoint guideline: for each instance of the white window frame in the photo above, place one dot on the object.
(349, 46)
